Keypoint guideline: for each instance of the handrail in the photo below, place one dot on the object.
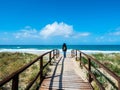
(15, 75)
(89, 58)
(108, 70)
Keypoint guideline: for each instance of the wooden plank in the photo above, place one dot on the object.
(64, 77)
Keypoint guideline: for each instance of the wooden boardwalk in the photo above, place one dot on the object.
(64, 77)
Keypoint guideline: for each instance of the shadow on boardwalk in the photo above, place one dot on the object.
(63, 77)
(54, 74)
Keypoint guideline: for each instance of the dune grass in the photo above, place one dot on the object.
(111, 61)
(11, 62)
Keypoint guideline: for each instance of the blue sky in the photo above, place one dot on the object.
(57, 21)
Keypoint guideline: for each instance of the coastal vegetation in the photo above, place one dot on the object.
(11, 62)
(112, 62)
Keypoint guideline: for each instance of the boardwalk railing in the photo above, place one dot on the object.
(15, 76)
(92, 63)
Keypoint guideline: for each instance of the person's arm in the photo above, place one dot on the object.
(63, 47)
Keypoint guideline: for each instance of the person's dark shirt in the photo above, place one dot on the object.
(64, 47)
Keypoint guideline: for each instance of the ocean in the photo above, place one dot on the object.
(84, 48)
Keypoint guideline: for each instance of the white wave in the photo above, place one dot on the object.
(33, 51)
(95, 51)
(99, 51)
(46, 50)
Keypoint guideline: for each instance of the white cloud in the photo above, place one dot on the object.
(100, 38)
(50, 31)
(116, 32)
(57, 29)
(26, 32)
(82, 34)
(61, 29)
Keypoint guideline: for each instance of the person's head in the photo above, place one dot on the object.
(64, 43)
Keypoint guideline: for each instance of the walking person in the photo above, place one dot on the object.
(64, 49)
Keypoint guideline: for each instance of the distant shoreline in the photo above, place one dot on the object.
(70, 47)
(37, 51)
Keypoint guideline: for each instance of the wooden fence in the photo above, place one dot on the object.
(91, 76)
(15, 76)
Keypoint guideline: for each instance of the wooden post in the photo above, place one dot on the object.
(53, 54)
(50, 57)
(56, 53)
(89, 68)
(41, 68)
(71, 53)
(15, 82)
(76, 54)
(80, 59)
(119, 85)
